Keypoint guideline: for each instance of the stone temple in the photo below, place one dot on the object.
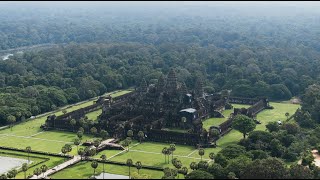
(164, 105)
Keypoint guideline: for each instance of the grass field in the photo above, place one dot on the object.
(149, 153)
(268, 115)
(54, 161)
(94, 115)
(226, 113)
(29, 133)
(83, 170)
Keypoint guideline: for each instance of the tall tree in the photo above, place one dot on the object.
(138, 166)
(243, 124)
(129, 163)
(103, 158)
(94, 166)
(24, 169)
(11, 120)
(28, 150)
(141, 136)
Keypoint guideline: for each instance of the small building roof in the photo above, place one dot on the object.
(189, 110)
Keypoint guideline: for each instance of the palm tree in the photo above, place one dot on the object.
(37, 172)
(68, 147)
(177, 164)
(10, 174)
(3, 176)
(64, 151)
(81, 152)
(172, 149)
(129, 163)
(103, 158)
(168, 152)
(25, 169)
(130, 133)
(140, 135)
(201, 152)
(96, 143)
(73, 122)
(14, 173)
(28, 150)
(94, 165)
(138, 166)
(77, 142)
(164, 150)
(80, 134)
(44, 168)
(211, 156)
(194, 166)
(184, 171)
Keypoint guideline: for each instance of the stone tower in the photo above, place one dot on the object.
(161, 83)
(172, 83)
(184, 89)
(199, 88)
(143, 86)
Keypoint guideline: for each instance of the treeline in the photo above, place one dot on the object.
(253, 53)
(39, 81)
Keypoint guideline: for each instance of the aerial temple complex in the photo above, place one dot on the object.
(160, 109)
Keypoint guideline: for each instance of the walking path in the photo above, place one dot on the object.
(60, 167)
(161, 153)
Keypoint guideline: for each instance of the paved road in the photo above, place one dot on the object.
(60, 167)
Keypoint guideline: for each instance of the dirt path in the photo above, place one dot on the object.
(60, 167)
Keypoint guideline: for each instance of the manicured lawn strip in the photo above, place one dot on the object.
(32, 127)
(83, 170)
(35, 144)
(278, 113)
(226, 113)
(94, 115)
(61, 136)
(54, 161)
(156, 147)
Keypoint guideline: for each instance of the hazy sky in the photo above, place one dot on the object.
(238, 3)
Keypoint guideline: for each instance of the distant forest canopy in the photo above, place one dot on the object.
(251, 53)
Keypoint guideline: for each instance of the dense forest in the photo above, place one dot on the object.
(270, 52)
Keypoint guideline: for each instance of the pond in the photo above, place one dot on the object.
(8, 163)
(111, 176)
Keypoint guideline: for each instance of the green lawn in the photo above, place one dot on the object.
(83, 170)
(94, 115)
(149, 153)
(265, 116)
(29, 133)
(278, 113)
(54, 161)
(217, 121)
